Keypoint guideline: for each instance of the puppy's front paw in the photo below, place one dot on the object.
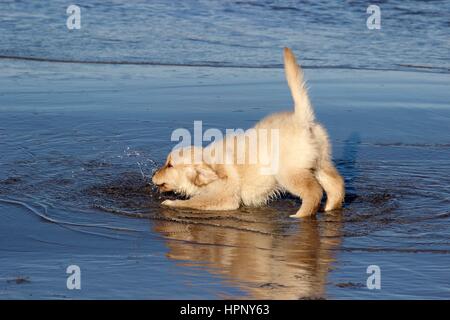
(300, 215)
(169, 203)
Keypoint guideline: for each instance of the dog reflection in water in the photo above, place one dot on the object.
(266, 257)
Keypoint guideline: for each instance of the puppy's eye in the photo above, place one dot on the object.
(169, 165)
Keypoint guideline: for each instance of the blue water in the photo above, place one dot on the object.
(414, 34)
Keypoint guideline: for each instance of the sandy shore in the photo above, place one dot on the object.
(78, 143)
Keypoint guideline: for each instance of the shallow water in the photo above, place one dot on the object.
(413, 35)
(80, 142)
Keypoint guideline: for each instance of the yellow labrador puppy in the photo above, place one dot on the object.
(295, 158)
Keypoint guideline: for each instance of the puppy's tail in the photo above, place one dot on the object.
(294, 75)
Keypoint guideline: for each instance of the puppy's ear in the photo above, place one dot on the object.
(206, 175)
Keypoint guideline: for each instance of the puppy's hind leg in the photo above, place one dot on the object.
(304, 184)
(333, 184)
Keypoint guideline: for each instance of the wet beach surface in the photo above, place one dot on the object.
(79, 144)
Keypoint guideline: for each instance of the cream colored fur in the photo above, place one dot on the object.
(305, 167)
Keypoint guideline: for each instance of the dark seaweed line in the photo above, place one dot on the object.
(397, 144)
(140, 63)
(410, 68)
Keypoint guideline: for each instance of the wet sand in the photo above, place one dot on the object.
(79, 143)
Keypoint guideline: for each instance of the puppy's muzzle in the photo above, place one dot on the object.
(162, 186)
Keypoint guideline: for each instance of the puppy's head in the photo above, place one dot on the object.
(185, 172)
